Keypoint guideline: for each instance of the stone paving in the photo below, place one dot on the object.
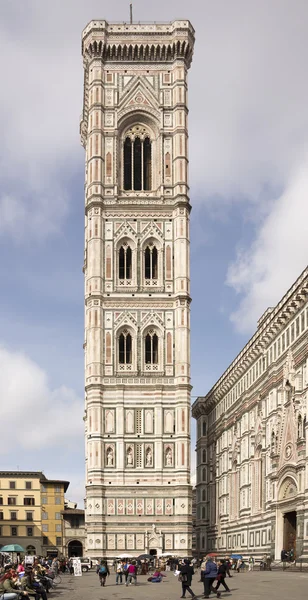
(276, 585)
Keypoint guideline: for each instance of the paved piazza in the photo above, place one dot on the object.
(268, 585)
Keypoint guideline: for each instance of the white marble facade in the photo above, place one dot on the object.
(137, 287)
(252, 447)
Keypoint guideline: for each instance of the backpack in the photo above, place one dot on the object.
(102, 570)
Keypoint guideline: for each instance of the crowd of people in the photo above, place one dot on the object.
(28, 580)
(36, 579)
(213, 574)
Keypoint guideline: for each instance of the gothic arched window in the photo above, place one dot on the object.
(273, 442)
(299, 427)
(204, 456)
(137, 160)
(203, 495)
(125, 348)
(125, 262)
(151, 262)
(151, 348)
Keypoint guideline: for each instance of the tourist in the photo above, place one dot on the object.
(157, 576)
(185, 576)
(251, 562)
(284, 555)
(131, 574)
(125, 569)
(8, 586)
(210, 575)
(103, 571)
(31, 586)
(239, 564)
(203, 567)
(221, 575)
(228, 566)
(119, 571)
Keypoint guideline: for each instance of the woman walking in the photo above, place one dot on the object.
(132, 574)
(210, 575)
(186, 575)
(221, 575)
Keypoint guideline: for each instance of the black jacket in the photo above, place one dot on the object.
(222, 570)
(188, 573)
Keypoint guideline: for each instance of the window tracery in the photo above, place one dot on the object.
(137, 159)
(125, 261)
(151, 348)
(151, 262)
(125, 348)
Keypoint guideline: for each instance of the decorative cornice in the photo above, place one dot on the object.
(269, 328)
(138, 42)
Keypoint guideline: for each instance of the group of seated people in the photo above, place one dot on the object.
(27, 581)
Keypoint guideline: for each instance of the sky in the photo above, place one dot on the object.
(248, 143)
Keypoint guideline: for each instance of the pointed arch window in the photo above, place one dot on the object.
(299, 427)
(137, 161)
(125, 348)
(151, 262)
(151, 348)
(125, 262)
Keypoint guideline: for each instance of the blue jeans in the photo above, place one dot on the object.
(119, 576)
(130, 578)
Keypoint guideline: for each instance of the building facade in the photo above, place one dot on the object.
(137, 287)
(53, 502)
(30, 512)
(252, 448)
(74, 534)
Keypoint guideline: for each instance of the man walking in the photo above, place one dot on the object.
(103, 571)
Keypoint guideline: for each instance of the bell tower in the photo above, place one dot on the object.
(137, 287)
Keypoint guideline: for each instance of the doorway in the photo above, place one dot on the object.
(74, 548)
(289, 531)
(153, 552)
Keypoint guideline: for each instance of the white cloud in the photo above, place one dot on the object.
(265, 271)
(248, 90)
(34, 416)
(248, 120)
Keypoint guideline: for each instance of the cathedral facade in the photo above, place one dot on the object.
(252, 447)
(137, 287)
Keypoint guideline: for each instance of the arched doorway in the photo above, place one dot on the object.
(31, 551)
(74, 548)
(286, 517)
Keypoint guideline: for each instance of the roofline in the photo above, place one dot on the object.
(65, 483)
(72, 511)
(37, 474)
(263, 326)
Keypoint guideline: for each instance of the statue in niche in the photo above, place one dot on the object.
(148, 457)
(168, 457)
(110, 457)
(129, 458)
